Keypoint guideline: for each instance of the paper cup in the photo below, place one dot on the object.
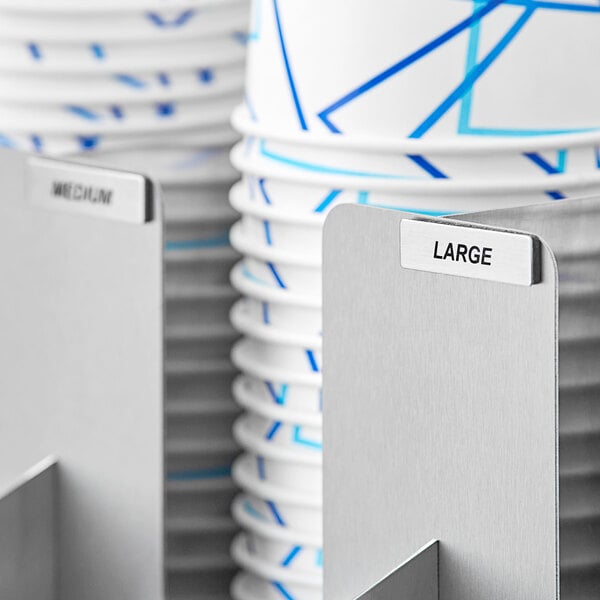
(208, 379)
(297, 189)
(246, 586)
(143, 25)
(187, 461)
(118, 57)
(189, 268)
(442, 70)
(193, 202)
(199, 342)
(287, 271)
(197, 311)
(294, 467)
(206, 419)
(276, 505)
(199, 499)
(297, 584)
(93, 8)
(411, 159)
(294, 550)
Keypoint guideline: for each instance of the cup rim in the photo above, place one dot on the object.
(259, 447)
(437, 187)
(269, 334)
(267, 253)
(268, 571)
(241, 121)
(272, 411)
(238, 198)
(249, 287)
(246, 362)
(264, 490)
(281, 534)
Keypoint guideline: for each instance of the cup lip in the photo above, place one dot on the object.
(268, 571)
(242, 122)
(269, 334)
(250, 287)
(244, 361)
(436, 187)
(272, 411)
(109, 6)
(267, 253)
(238, 198)
(259, 447)
(264, 490)
(263, 528)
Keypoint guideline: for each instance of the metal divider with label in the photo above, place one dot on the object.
(81, 315)
(461, 404)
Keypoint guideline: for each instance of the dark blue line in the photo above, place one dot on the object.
(541, 162)
(98, 51)
(288, 69)
(130, 80)
(597, 150)
(333, 194)
(213, 473)
(312, 360)
(179, 21)
(422, 162)
(265, 313)
(117, 112)
(165, 109)
(267, 226)
(260, 465)
(35, 51)
(206, 75)
(84, 113)
(274, 429)
(38, 145)
(261, 185)
(279, 587)
(472, 76)
(279, 398)
(275, 512)
(287, 561)
(555, 195)
(276, 275)
(164, 79)
(88, 142)
(406, 62)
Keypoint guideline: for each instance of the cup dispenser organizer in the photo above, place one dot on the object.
(462, 404)
(84, 380)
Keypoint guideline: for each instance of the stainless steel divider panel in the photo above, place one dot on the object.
(81, 346)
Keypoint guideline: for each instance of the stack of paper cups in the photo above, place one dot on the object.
(148, 86)
(433, 108)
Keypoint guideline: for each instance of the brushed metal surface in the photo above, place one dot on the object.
(93, 191)
(468, 251)
(415, 579)
(28, 534)
(81, 346)
(440, 419)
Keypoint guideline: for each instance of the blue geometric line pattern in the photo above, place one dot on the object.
(312, 361)
(436, 43)
(164, 79)
(117, 112)
(302, 441)
(265, 313)
(255, 30)
(267, 227)
(288, 69)
(164, 23)
(474, 70)
(331, 196)
(84, 113)
(98, 51)
(88, 142)
(319, 561)
(428, 167)
(275, 427)
(282, 590)
(275, 512)
(37, 143)
(278, 397)
(555, 195)
(276, 275)
(541, 162)
(35, 51)
(130, 81)
(252, 511)
(260, 466)
(363, 198)
(287, 561)
(206, 75)
(165, 109)
(261, 185)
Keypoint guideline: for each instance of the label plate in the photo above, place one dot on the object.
(469, 252)
(94, 191)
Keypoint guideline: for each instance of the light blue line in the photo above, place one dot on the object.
(248, 275)
(278, 397)
(301, 441)
(491, 131)
(472, 76)
(253, 512)
(331, 196)
(256, 29)
(563, 6)
(319, 558)
(216, 242)
(308, 166)
(130, 81)
(267, 227)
